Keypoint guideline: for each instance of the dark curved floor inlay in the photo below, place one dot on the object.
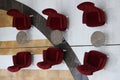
(40, 23)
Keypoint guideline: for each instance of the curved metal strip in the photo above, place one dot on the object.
(40, 23)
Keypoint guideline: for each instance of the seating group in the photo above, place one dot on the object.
(92, 17)
(51, 56)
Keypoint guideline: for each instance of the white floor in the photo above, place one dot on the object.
(79, 34)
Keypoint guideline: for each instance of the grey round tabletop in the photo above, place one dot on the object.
(98, 39)
(56, 37)
(22, 37)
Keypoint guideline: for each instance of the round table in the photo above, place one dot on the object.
(98, 38)
(56, 37)
(22, 37)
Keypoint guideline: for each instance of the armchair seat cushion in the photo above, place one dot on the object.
(14, 68)
(92, 19)
(53, 23)
(44, 65)
(86, 69)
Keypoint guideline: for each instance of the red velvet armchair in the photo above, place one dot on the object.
(20, 60)
(51, 56)
(20, 21)
(55, 20)
(92, 16)
(93, 61)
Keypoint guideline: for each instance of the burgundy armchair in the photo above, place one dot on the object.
(20, 21)
(93, 61)
(51, 56)
(92, 16)
(55, 20)
(20, 60)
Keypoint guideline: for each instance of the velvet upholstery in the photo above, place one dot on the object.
(55, 21)
(51, 56)
(13, 12)
(93, 61)
(20, 60)
(92, 16)
(20, 21)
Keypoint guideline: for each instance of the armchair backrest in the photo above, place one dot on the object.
(95, 59)
(53, 55)
(21, 58)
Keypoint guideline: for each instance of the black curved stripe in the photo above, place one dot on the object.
(40, 23)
